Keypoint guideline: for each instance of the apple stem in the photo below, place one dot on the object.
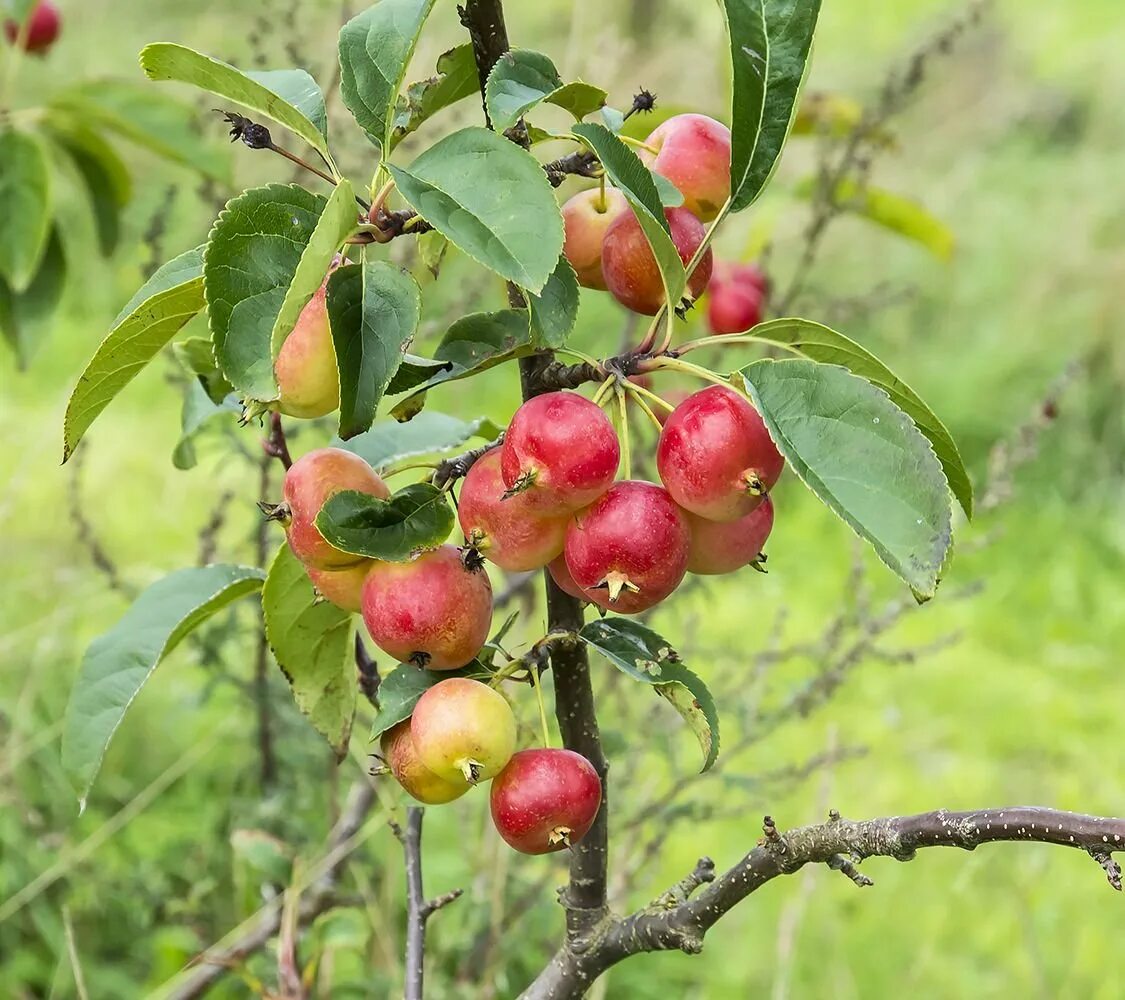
(623, 416)
(676, 365)
(637, 143)
(603, 390)
(533, 673)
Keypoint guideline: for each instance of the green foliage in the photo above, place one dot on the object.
(820, 343)
(373, 308)
(554, 311)
(647, 657)
(522, 79)
(25, 206)
(289, 97)
(25, 317)
(375, 49)
(491, 199)
(416, 517)
(456, 79)
(103, 174)
(402, 687)
(118, 663)
(312, 641)
(634, 179)
(863, 457)
(172, 296)
(429, 433)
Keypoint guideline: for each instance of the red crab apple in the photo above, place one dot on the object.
(561, 450)
(43, 26)
(629, 549)
(586, 217)
(343, 587)
(630, 268)
(416, 779)
(725, 546)
(307, 377)
(463, 730)
(733, 308)
(433, 611)
(545, 800)
(309, 484)
(510, 533)
(715, 455)
(693, 152)
(560, 573)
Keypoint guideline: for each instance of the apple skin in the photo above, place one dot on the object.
(307, 376)
(725, 546)
(417, 780)
(343, 587)
(567, 445)
(585, 219)
(733, 308)
(463, 730)
(693, 152)
(44, 26)
(715, 455)
(560, 573)
(633, 535)
(545, 800)
(431, 611)
(511, 533)
(309, 484)
(630, 268)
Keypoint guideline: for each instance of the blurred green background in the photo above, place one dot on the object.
(1004, 689)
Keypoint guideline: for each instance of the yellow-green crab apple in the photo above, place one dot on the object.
(433, 611)
(313, 479)
(693, 152)
(463, 730)
(307, 376)
(417, 780)
(343, 587)
(510, 532)
(586, 217)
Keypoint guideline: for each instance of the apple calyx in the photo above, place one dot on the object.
(280, 512)
(471, 769)
(420, 659)
(752, 482)
(471, 557)
(524, 481)
(559, 835)
(615, 582)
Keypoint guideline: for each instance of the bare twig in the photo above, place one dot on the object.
(275, 445)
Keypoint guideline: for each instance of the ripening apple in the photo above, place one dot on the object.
(307, 376)
(417, 780)
(725, 546)
(343, 587)
(586, 217)
(693, 152)
(463, 730)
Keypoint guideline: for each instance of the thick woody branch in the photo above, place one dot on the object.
(678, 920)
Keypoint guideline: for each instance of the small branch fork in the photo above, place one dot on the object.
(680, 918)
(419, 908)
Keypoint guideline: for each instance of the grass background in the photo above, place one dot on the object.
(1014, 141)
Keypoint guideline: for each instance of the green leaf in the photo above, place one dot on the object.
(456, 79)
(26, 317)
(670, 195)
(416, 517)
(429, 433)
(270, 858)
(522, 79)
(103, 174)
(255, 249)
(197, 357)
(782, 55)
(554, 311)
(375, 49)
(891, 211)
(312, 642)
(148, 118)
(199, 411)
(646, 656)
(634, 180)
(373, 309)
(117, 664)
(863, 457)
(25, 206)
(823, 344)
(402, 687)
(414, 371)
(289, 97)
(161, 307)
(336, 223)
(491, 199)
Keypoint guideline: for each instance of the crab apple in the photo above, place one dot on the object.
(510, 533)
(463, 730)
(630, 268)
(629, 549)
(693, 152)
(307, 377)
(560, 573)
(715, 455)
(725, 546)
(561, 450)
(545, 800)
(433, 611)
(43, 26)
(416, 779)
(733, 308)
(745, 275)
(309, 484)
(586, 217)
(343, 587)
